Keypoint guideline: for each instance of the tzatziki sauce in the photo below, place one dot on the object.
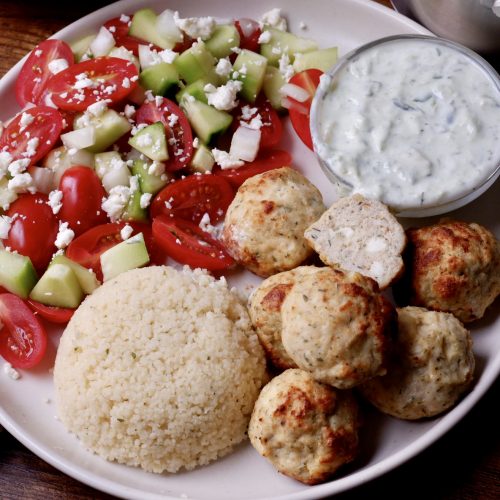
(410, 122)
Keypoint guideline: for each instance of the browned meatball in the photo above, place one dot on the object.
(454, 267)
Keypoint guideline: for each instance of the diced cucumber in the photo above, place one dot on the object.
(144, 27)
(195, 89)
(151, 142)
(159, 78)
(81, 47)
(133, 210)
(149, 183)
(205, 119)
(273, 81)
(124, 53)
(203, 160)
(318, 59)
(252, 69)
(107, 161)
(195, 63)
(224, 38)
(109, 127)
(127, 255)
(17, 274)
(86, 277)
(283, 42)
(7, 196)
(58, 287)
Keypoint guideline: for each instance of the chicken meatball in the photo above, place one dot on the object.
(454, 267)
(431, 367)
(265, 223)
(336, 325)
(265, 311)
(306, 429)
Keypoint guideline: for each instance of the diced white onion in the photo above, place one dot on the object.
(245, 144)
(295, 92)
(166, 26)
(102, 43)
(116, 177)
(80, 138)
(286, 103)
(42, 178)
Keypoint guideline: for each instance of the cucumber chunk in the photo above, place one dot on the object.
(149, 183)
(252, 69)
(203, 160)
(109, 127)
(283, 42)
(196, 63)
(133, 210)
(86, 277)
(224, 38)
(205, 119)
(82, 47)
(159, 78)
(151, 142)
(273, 81)
(128, 254)
(317, 59)
(143, 26)
(58, 287)
(17, 274)
(195, 89)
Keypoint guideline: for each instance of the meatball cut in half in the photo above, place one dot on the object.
(337, 326)
(431, 367)
(306, 429)
(454, 267)
(265, 311)
(265, 223)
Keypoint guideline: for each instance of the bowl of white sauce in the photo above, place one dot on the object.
(410, 120)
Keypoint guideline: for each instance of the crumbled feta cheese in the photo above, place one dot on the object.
(168, 56)
(126, 232)
(129, 111)
(118, 198)
(144, 140)
(31, 146)
(21, 183)
(26, 119)
(64, 236)
(38, 52)
(57, 65)
(205, 225)
(196, 27)
(98, 108)
(224, 67)
(55, 201)
(196, 143)
(156, 168)
(255, 123)
(225, 160)
(302, 25)
(223, 97)
(18, 166)
(109, 89)
(11, 372)
(286, 69)
(145, 200)
(273, 18)
(236, 50)
(265, 37)
(5, 161)
(137, 128)
(5, 223)
(172, 120)
(82, 82)
(124, 18)
(126, 83)
(247, 112)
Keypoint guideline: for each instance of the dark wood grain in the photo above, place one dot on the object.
(463, 465)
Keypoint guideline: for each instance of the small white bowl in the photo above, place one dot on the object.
(453, 200)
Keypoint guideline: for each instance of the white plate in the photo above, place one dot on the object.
(244, 474)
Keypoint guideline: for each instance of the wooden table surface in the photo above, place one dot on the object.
(463, 465)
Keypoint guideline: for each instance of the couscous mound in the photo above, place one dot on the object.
(160, 369)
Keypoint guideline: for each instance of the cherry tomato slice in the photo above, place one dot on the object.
(249, 31)
(267, 160)
(177, 130)
(32, 134)
(87, 82)
(51, 313)
(23, 339)
(88, 247)
(299, 114)
(35, 73)
(186, 243)
(272, 128)
(33, 230)
(82, 198)
(192, 197)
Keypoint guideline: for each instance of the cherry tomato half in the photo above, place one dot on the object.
(192, 197)
(33, 230)
(249, 31)
(35, 138)
(177, 130)
(87, 82)
(299, 114)
(88, 247)
(23, 339)
(35, 73)
(51, 313)
(119, 28)
(267, 160)
(186, 243)
(82, 198)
